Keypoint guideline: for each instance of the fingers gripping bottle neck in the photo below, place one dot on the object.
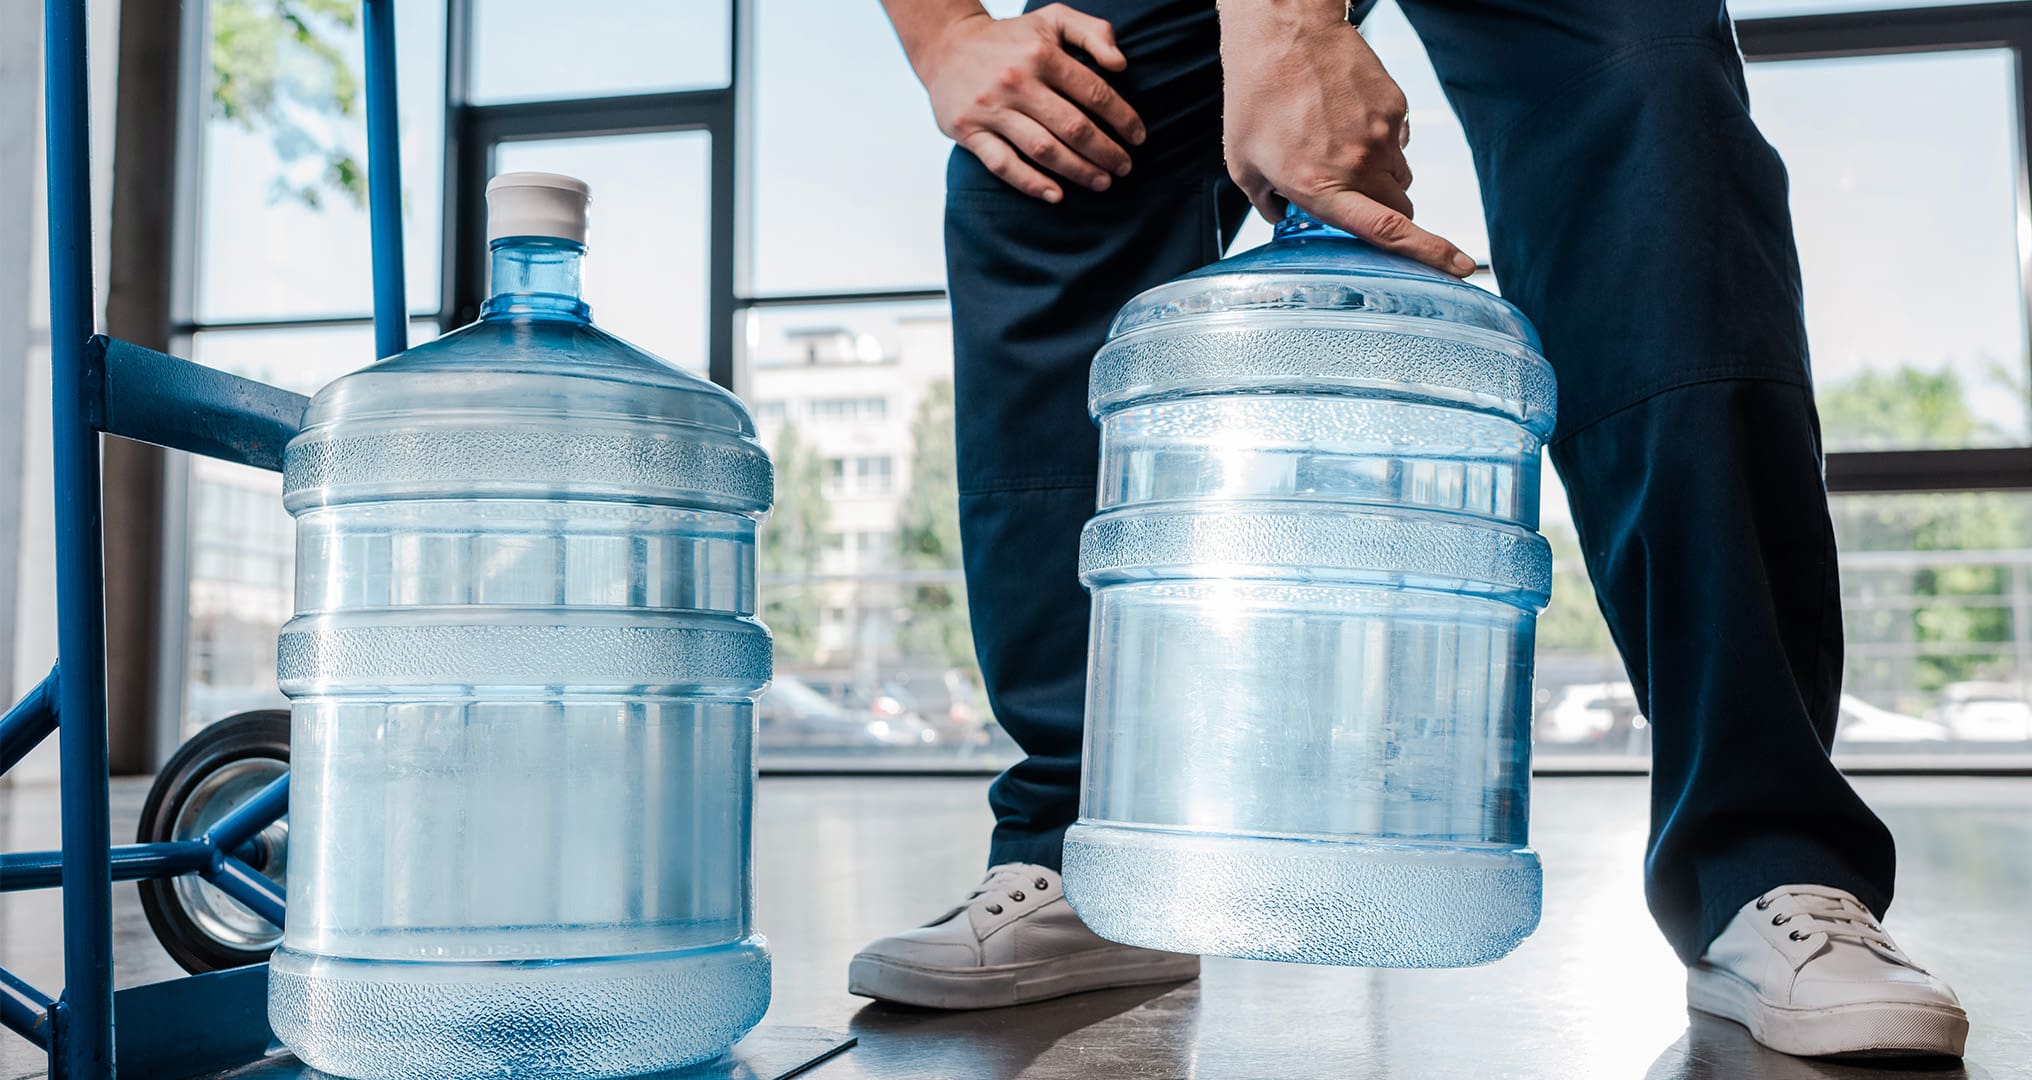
(522, 673)
(1297, 223)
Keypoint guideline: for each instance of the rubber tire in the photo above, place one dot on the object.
(263, 733)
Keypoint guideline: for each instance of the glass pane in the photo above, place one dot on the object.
(646, 254)
(1937, 592)
(241, 544)
(283, 190)
(860, 560)
(1582, 704)
(240, 580)
(535, 50)
(302, 359)
(818, 227)
(1905, 174)
(1937, 603)
(1759, 9)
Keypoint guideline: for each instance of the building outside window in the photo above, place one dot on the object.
(866, 410)
(858, 476)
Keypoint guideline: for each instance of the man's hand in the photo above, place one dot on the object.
(1010, 89)
(1311, 116)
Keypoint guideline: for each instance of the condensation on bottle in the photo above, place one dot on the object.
(1315, 576)
(523, 670)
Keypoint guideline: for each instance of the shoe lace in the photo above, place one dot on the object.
(1008, 879)
(1827, 911)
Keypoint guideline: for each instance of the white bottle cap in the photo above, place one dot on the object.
(537, 204)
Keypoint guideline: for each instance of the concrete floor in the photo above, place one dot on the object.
(1595, 993)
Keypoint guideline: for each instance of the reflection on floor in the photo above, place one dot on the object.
(1594, 994)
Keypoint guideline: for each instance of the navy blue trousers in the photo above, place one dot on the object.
(1639, 218)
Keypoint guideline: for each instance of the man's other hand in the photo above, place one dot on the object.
(1012, 93)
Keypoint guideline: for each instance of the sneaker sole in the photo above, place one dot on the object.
(1014, 984)
(1864, 1029)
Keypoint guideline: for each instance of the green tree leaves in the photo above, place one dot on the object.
(791, 544)
(1916, 625)
(935, 625)
(285, 68)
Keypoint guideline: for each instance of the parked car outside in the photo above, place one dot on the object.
(1984, 712)
(1861, 722)
(1601, 715)
(793, 716)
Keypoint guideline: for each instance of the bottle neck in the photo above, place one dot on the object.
(1298, 223)
(536, 277)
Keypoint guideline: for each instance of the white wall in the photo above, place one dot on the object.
(27, 536)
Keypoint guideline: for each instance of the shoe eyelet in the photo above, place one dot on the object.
(1762, 903)
(994, 909)
(1042, 884)
(1796, 936)
(1017, 896)
(1780, 920)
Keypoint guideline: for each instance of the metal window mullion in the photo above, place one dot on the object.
(817, 299)
(188, 165)
(1871, 33)
(2023, 190)
(280, 323)
(727, 255)
(1768, 44)
(172, 613)
(720, 260)
(625, 115)
(455, 206)
(1905, 471)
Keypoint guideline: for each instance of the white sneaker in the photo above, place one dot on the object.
(1014, 940)
(1807, 969)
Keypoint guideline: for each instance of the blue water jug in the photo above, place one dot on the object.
(1315, 578)
(523, 671)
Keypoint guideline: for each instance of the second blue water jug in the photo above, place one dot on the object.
(1315, 579)
(522, 670)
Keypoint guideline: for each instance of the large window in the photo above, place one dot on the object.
(1904, 136)
(860, 565)
(280, 291)
(847, 358)
(767, 212)
(1907, 202)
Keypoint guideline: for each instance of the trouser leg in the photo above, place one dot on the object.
(1034, 286)
(1704, 520)
(1639, 218)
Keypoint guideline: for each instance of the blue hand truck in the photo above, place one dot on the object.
(216, 1019)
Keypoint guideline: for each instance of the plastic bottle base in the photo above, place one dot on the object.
(605, 1017)
(1306, 901)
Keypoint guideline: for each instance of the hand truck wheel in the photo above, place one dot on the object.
(223, 766)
